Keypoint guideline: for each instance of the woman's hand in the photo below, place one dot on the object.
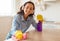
(24, 37)
(15, 39)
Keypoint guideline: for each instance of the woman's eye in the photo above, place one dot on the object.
(31, 9)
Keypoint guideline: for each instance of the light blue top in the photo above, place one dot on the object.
(20, 24)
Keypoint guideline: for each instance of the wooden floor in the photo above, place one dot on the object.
(45, 35)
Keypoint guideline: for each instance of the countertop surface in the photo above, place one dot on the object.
(45, 35)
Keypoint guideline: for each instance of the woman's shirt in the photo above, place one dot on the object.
(19, 23)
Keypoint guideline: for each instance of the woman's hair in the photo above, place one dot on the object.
(22, 11)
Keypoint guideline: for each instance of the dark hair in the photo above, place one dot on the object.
(22, 12)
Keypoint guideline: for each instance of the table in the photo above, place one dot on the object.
(45, 35)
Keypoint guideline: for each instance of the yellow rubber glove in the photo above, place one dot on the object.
(19, 34)
(40, 17)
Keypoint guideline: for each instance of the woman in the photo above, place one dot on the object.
(23, 19)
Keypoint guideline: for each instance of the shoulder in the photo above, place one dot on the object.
(17, 17)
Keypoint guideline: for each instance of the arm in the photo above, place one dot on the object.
(34, 23)
(15, 26)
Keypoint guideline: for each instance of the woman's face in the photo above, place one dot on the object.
(28, 9)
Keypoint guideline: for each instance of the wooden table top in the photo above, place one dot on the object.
(45, 35)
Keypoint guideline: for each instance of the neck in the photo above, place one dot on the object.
(25, 16)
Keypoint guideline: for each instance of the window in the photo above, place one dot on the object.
(6, 7)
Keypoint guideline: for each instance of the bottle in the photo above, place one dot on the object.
(39, 26)
(40, 21)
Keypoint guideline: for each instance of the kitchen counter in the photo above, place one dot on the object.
(45, 35)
